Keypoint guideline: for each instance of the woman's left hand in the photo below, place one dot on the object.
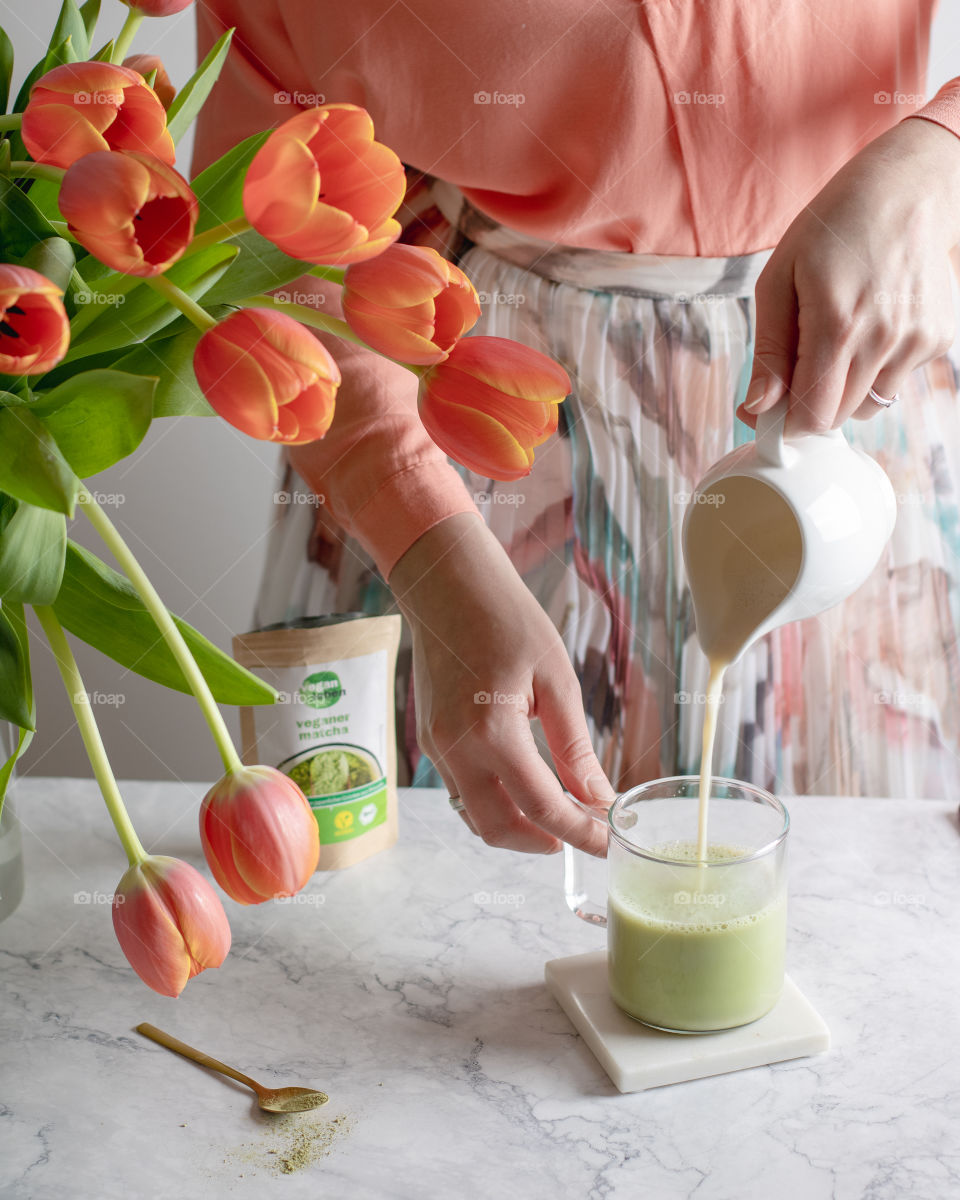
(857, 293)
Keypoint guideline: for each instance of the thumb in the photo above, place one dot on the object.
(775, 342)
(560, 709)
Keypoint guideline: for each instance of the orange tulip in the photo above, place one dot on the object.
(158, 8)
(146, 64)
(490, 402)
(259, 835)
(133, 212)
(34, 327)
(410, 304)
(322, 190)
(268, 376)
(78, 108)
(169, 922)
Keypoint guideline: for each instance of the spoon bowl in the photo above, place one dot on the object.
(275, 1100)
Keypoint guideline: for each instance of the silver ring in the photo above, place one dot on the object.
(456, 804)
(881, 400)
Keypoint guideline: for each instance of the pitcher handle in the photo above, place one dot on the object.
(574, 888)
(769, 439)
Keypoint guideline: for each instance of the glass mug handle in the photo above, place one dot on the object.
(574, 884)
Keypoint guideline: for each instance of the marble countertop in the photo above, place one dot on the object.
(410, 988)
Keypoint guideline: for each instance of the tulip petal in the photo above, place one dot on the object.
(55, 134)
(475, 440)
(526, 419)
(401, 276)
(276, 208)
(512, 368)
(236, 386)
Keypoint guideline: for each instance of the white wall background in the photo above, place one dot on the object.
(197, 499)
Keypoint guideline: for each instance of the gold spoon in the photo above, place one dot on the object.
(279, 1100)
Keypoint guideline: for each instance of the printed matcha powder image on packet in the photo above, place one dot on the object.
(333, 729)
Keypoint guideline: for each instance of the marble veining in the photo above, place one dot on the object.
(410, 988)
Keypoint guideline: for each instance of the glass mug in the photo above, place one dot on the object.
(691, 947)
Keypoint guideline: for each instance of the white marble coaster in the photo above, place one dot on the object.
(636, 1057)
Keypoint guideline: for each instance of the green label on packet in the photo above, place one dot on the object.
(340, 819)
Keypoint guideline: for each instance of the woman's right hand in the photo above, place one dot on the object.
(487, 661)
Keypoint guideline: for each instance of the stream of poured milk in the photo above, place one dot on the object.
(743, 552)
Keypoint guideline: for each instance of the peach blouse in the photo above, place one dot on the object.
(677, 127)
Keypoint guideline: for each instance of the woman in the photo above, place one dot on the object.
(696, 208)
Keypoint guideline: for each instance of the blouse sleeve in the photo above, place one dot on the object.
(383, 479)
(944, 108)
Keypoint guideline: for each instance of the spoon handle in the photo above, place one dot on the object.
(172, 1043)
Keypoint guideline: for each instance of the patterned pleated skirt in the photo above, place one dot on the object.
(863, 700)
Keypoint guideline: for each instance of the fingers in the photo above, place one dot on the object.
(494, 815)
(559, 705)
(775, 341)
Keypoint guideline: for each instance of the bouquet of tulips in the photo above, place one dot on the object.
(128, 294)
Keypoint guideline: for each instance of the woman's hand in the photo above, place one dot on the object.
(487, 660)
(857, 293)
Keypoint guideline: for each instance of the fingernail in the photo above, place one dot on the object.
(600, 790)
(762, 393)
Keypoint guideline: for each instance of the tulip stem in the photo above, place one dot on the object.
(181, 301)
(334, 274)
(93, 743)
(10, 122)
(219, 233)
(33, 170)
(309, 316)
(121, 47)
(167, 626)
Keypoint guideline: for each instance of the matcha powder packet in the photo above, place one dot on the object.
(333, 729)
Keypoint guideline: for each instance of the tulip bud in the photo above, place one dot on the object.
(133, 212)
(34, 327)
(410, 304)
(322, 190)
(147, 64)
(78, 108)
(158, 8)
(268, 376)
(259, 835)
(490, 402)
(169, 922)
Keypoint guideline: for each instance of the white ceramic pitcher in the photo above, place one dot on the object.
(842, 500)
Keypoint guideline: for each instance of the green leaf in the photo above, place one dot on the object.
(219, 188)
(71, 27)
(21, 222)
(171, 360)
(143, 312)
(191, 97)
(101, 608)
(14, 617)
(32, 549)
(6, 67)
(98, 417)
(90, 13)
(14, 697)
(31, 465)
(54, 258)
(105, 53)
(259, 267)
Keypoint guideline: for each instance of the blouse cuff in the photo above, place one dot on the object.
(944, 108)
